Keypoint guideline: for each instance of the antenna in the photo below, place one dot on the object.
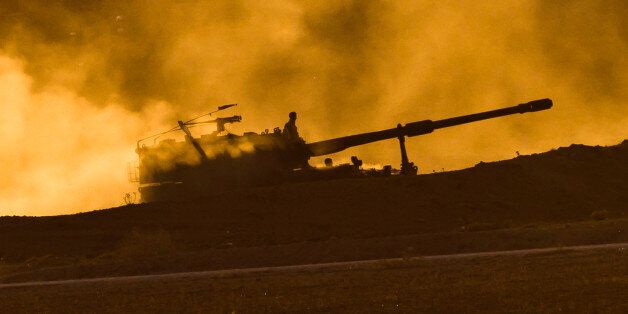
(220, 108)
(176, 128)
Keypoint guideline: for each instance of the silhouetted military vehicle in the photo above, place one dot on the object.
(221, 161)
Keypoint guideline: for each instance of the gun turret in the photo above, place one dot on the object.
(419, 128)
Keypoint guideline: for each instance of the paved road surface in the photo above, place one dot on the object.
(316, 267)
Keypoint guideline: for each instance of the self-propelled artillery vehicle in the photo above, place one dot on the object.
(200, 166)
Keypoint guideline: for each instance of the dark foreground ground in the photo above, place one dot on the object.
(588, 281)
(570, 196)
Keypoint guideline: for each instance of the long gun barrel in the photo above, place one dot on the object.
(420, 128)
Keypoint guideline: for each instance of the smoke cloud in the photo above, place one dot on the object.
(81, 81)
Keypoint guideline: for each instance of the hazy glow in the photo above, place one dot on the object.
(81, 82)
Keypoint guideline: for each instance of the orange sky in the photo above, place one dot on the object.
(80, 83)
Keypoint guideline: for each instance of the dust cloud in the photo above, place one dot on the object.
(81, 81)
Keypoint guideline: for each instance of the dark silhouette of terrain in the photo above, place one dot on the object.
(572, 195)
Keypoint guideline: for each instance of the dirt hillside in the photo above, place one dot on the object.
(566, 185)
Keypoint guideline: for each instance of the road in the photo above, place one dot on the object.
(337, 266)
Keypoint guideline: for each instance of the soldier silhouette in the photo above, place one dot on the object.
(290, 129)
